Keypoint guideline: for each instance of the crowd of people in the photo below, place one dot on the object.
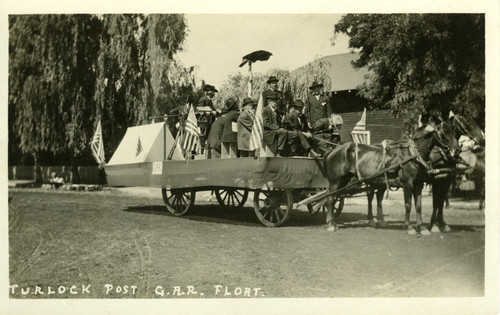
(300, 129)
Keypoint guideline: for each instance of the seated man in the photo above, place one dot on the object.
(273, 134)
(295, 120)
(328, 130)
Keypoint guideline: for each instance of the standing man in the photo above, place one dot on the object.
(272, 89)
(206, 117)
(206, 100)
(317, 105)
(245, 124)
(215, 137)
(229, 135)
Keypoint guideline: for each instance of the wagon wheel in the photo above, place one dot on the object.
(178, 201)
(338, 205)
(273, 208)
(231, 197)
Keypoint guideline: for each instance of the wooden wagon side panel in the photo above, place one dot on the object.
(250, 173)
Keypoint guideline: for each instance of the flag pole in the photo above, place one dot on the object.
(250, 81)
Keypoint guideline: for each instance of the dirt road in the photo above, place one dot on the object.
(116, 244)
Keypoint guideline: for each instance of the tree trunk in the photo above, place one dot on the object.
(75, 176)
(37, 169)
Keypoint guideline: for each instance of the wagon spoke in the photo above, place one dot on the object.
(280, 212)
(236, 198)
(225, 196)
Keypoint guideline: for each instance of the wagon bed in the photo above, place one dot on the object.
(277, 182)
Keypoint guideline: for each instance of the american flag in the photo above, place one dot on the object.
(97, 145)
(192, 137)
(258, 126)
(139, 148)
(361, 125)
(359, 133)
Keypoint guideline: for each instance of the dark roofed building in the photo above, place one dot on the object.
(345, 80)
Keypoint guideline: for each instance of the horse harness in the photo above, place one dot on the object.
(414, 155)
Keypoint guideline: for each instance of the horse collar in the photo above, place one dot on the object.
(414, 151)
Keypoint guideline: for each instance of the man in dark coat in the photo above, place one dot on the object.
(215, 136)
(317, 106)
(245, 125)
(206, 118)
(229, 135)
(295, 120)
(206, 100)
(272, 89)
(273, 134)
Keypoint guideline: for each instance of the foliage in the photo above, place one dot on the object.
(67, 72)
(294, 85)
(420, 62)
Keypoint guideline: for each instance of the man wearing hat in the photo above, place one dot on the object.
(206, 100)
(215, 136)
(294, 120)
(317, 106)
(245, 124)
(274, 135)
(206, 118)
(272, 89)
(229, 134)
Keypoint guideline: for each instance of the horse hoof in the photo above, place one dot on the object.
(435, 229)
(332, 228)
(411, 231)
(425, 232)
(382, 224)
(446, 229)
(372, 224)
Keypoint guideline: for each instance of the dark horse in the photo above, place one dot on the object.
(401, 164)
(444, 169)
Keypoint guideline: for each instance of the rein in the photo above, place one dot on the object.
(461, 127)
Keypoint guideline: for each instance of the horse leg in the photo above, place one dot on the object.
(380, 214)
(417, 195)
(408, 195)
(440, 210)
(369, 196)
(435, 202)
(330, 216)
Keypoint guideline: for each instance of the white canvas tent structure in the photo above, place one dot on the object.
(146, 143)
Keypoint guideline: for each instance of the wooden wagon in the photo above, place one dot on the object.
(276, 182)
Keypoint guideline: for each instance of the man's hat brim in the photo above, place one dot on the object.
(315, 85)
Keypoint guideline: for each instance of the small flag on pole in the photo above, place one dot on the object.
(361, 125)
(258, 127)
(139, 147)
(97, 145)
(192, 138)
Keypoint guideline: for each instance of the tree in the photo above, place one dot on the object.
(420, 62)
(51, 81)
(67, 72)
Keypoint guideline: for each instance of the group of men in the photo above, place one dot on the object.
(306, 124)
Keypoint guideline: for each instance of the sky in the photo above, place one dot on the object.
(216, 43)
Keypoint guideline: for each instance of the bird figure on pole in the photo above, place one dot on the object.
(259, 55)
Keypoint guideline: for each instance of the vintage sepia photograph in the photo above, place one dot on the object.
(305, 162)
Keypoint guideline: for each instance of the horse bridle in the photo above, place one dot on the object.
(461, 127)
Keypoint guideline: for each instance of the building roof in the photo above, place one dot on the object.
(342, 73)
